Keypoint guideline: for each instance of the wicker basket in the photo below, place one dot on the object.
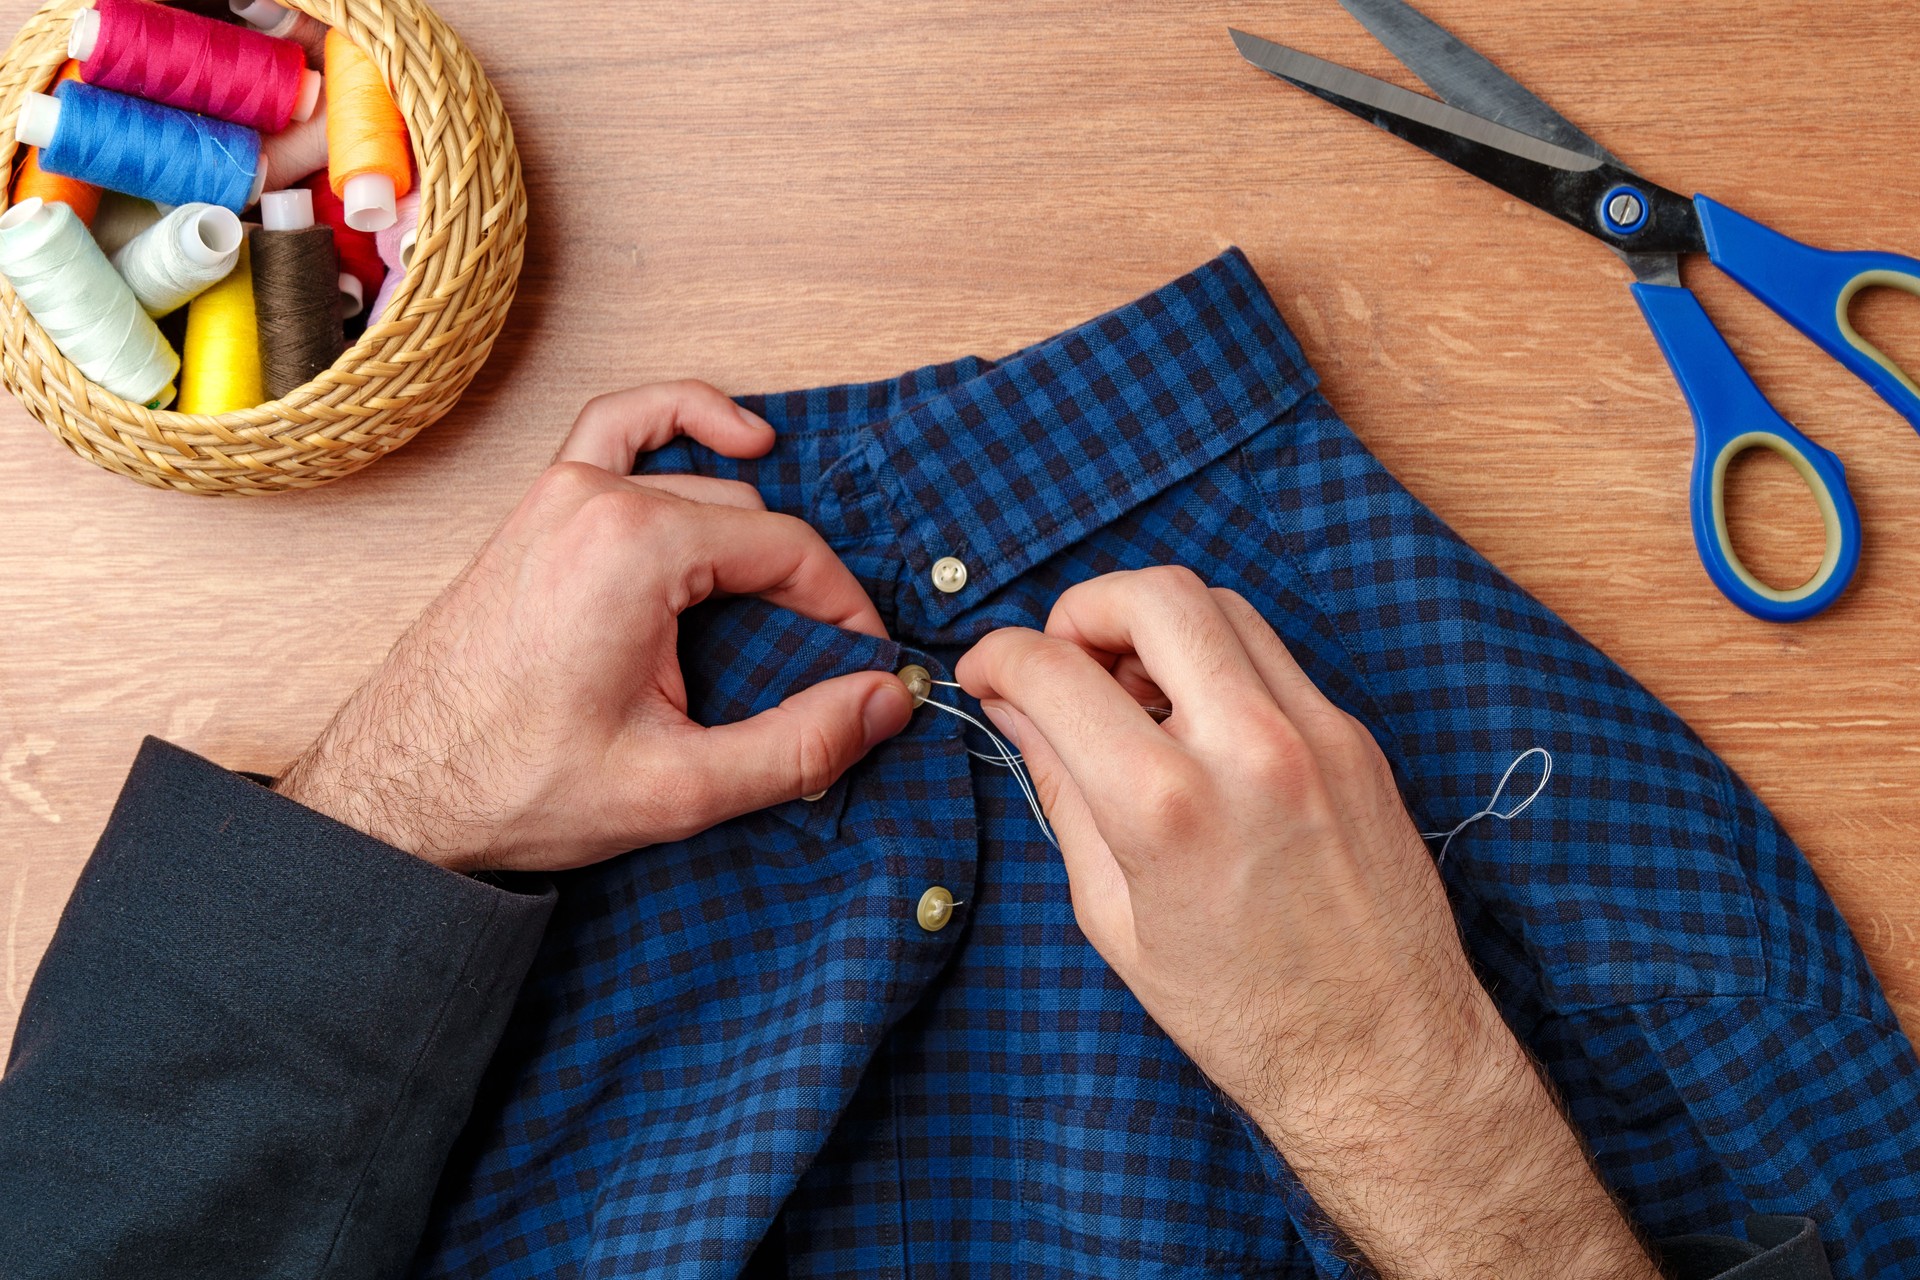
(404, 373)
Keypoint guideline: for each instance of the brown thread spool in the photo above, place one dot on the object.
(296, 293)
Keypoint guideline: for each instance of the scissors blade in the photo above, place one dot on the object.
(1568, 184)
(1466, 79)
(1391, 104)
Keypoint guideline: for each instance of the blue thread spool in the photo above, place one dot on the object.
(142, 148)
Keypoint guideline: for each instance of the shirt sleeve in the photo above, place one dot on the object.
(251, 1043)
(1776, 1248)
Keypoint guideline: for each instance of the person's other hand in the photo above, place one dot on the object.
(1248, 869)
(535, 716)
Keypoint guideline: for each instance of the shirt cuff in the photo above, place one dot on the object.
(256, 1030)
(1776, 1248)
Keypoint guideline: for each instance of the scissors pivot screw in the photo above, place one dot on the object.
(1626, 211)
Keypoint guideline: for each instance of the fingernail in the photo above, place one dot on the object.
(1003, 721)
(885, 712)
(752, 419)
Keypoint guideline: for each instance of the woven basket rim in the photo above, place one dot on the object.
(385, 387)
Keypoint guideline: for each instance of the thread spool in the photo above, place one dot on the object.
(82, 197)
(358, 251)
(295, 293)
(283, 23)
(66, 283)
(185, 253)
(191, 62)
(298, 150)
(142, 148)
(367, 151)
(396, 246)
(121, 218)
(221, 370)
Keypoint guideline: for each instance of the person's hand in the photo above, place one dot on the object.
(1248, 869)
(535, 716)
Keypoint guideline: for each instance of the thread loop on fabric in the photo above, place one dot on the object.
(1493, 809)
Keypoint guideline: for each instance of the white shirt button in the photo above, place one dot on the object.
(935, 909)
(818, 795)
(949, 575)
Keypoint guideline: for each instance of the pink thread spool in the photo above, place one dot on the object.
(181, 59)
(396, 250)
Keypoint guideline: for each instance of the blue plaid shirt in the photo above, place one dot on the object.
(748, 1037)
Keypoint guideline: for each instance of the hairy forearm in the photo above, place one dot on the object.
(1453, 1160)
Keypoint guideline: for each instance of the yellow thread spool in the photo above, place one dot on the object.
(368, 159)
(83, 198)
(220, 367)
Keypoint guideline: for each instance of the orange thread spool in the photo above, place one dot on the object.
(83, 198)
(368, 159)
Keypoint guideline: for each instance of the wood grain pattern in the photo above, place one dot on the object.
(785, 194)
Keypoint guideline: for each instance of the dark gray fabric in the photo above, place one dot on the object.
(1776, 1248)
(251, 1042)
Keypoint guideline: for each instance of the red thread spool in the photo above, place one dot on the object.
(184, 60)
(358, 251)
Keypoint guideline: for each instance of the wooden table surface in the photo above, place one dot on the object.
(783, 194)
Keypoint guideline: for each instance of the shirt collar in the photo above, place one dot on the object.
(1007, 463)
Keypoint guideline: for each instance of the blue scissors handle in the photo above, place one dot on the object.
(1813, 290)
(1730, 416)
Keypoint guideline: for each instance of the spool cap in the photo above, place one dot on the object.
(370, 200)
(309, 97)
(286, 210)
(29, 210)
(211, 236)
(353, 297)
(264, 14)
(84, 35)
(38, 121)
(259, 179)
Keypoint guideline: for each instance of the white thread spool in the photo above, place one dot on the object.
(181, 256)
(297, 151)
(67, 284)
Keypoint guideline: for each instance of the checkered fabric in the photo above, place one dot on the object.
(747, 1036)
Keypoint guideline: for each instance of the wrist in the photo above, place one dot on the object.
(1436, 1146)
(369, 797)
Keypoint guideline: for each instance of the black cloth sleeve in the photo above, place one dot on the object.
(251, 1043)
(1776, 1248)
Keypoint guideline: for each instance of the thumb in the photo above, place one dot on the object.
(795, 749)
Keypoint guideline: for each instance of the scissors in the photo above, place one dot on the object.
(1490, 126)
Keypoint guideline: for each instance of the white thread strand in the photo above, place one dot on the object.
(1493, 802)
(1007, 759)
(68, 285)
(161, 270)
